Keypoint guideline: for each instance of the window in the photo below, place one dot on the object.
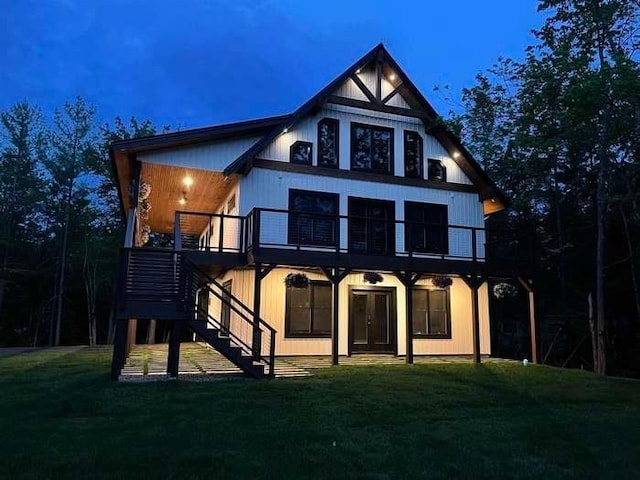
(328, 143)
(231, 204)
(308, 311)
(426, 228)
(437, 171)
(318, 222)
(371, 148)
(431, 318)
(371, 226)
(412, 154)
(300, 153)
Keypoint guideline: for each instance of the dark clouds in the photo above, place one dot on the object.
(200, 62)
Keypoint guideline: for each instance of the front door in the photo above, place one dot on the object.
(372, 313)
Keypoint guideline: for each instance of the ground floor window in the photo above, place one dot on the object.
(431, 313)
(308, 311)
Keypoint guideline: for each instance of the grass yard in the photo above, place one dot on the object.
(62, 418)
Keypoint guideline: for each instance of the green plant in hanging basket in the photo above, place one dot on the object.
(441, 281)
(296, 280)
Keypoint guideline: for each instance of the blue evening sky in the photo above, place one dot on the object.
(191, 63)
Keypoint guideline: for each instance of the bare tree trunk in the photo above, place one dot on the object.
(63, 266)
(90, 294)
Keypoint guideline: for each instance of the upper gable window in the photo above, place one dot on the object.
(371, 148)
(437, 171)
(328, 143)
(412, 154)
(300, 153)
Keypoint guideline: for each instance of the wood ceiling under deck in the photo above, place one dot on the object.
(205, 195)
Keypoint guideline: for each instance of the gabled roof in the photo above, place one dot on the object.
(198, 135)
(433, 125)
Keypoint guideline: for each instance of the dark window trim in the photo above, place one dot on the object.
(287, 314)
(391, 170)
(444, 169)
(408, 225)
(420, 154)
(333, 196)
(446, 336)
(335, 122)
(294, 145)
(362, 175)
(391, 232)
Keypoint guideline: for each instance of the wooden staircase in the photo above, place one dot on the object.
(164, 284)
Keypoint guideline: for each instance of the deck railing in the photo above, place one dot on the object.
(347, 234)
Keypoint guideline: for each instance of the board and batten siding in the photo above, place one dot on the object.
(214, 156)
(307, 131)
(231, 227)
(272, 310)
(270, 189)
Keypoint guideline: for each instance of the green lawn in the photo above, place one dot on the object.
(62, 417)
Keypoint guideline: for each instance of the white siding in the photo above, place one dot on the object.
(270, 189)
(349, 89)
(231, 230)
(272, 310)
(210, 156)
(307, 130)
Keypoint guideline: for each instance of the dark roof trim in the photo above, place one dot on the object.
(198, 135)
(244, 161)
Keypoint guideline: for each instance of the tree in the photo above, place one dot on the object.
(71, 160)
(21, 189)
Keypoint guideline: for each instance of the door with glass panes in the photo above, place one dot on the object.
(372, 319)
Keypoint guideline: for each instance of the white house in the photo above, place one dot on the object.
(363, 192)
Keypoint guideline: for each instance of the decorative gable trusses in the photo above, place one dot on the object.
(385, 68)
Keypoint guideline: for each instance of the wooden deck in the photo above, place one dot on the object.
(199, 362)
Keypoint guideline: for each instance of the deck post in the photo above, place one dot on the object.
(173, 361)
(474, 282)
(408, 279)
(132, 330)
(528, 286)
(259, 273)
(335, 275)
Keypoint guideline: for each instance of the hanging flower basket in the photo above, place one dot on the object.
(144, 192)
(372, 277)
(146, 232)
(441, 281)
(145, 207)
(504, 290)
(296, 280)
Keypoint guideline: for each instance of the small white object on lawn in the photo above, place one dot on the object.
(525, 362)
(334, 443)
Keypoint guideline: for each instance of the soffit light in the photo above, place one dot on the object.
(392, 77)
(187, 181)
(182, 200)
(456, 154)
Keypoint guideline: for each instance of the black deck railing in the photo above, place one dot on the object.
(344, 234)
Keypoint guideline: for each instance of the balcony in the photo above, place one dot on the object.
(311, 239)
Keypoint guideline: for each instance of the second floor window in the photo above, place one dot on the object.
(313, 218)
(412, 155)
(426, 228)
(328, 143)
(371, 148)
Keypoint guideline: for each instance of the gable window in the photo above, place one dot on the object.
(437, 171)
(317, 221)
(300, 153)
(426, 228)
(308, 311)
(412, 154)
(431, 313)
(371, 148)
(328, 143)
